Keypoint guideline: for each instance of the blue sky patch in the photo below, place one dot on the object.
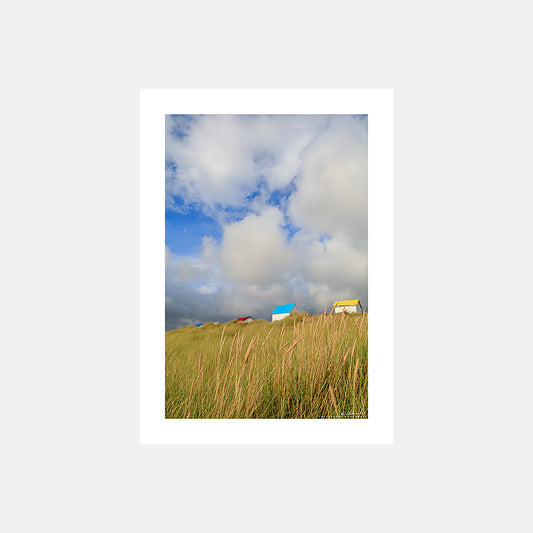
(184, 231)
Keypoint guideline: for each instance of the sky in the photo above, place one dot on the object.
(262, 210)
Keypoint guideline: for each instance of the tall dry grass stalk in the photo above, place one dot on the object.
(301, 367)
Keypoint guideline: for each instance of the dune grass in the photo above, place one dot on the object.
(301, 367)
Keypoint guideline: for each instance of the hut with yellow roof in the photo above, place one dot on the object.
(349, 306)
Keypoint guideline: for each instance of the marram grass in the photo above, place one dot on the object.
(301, 367)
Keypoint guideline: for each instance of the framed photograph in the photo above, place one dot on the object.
(266, 266)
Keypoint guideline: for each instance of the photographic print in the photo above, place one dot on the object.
(266, 263)
(266, 266)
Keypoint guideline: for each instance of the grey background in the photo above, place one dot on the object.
(69, 285)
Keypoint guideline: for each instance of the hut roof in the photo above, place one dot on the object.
(342, 303)
(284, 308)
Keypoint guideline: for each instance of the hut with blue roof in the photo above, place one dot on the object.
(284, 310)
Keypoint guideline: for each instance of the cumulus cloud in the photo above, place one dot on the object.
(332, 193)
(290, 194)
(334, 269)
(220, 160)
(256, 249)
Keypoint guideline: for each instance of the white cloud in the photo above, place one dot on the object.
(332, 193)
(207, 289)
(222, 158)
(209, 249)
(255, 249)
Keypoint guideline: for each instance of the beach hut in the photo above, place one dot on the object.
(349, 306)
(284, 310)
(245, 319)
